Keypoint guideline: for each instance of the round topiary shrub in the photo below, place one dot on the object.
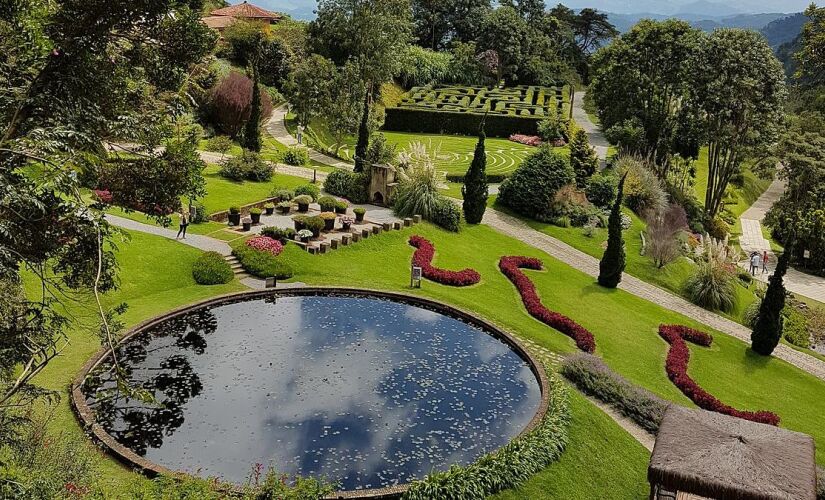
(308, 189)
(532, 188)
(212, 269)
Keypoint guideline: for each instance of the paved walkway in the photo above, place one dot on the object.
(514, 227)
(276, 126)
(752, 240)
(594, 132)
(198, 241)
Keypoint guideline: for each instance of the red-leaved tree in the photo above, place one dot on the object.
(230, 103)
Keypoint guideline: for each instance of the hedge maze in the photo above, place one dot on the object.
(459, 110)
(527, 101)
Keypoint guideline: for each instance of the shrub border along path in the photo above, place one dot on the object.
(124, 454)
(676, 365)
(423, 257)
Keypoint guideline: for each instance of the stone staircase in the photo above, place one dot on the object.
(235, 264)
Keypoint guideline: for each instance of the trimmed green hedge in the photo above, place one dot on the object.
(451, 122)
(262, 264)
(491, 178)
(212, 269)
(511, 465)
(350, 185)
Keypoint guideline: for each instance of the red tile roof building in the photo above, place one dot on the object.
(219, 19)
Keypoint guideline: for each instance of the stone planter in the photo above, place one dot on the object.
(256, 218)
(305, 239)
(285, 210)
(346, 225)
(359, 217)
(329, 224)
(316, 233)
(340, 211)
(299, 225)
(303, 207)
(234, 219)
(247, 224)
(269, 210)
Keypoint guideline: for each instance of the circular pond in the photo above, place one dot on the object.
(364, 391)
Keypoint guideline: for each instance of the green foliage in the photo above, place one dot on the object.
(552, 127)
(583, 158)
(458, 123)
(419, 66)
(314, 224)
(263, 264)
(795, 328)
(200, 213)
(296, 155)
(230, 103)
(251, 138)
(243, 38)
(327, 203)
(212, 269)
(510, 466)
(613, 261)
(475, 191)
(309, 87)
(601, 190)
(811, 62)
(767, 329)
(282, 194)
(277, 233)
(248, 166)
(712, 286)
(418, 181)
(643, 189)
(532, 188)
(346, 184)
(446, 214)
(218, 144)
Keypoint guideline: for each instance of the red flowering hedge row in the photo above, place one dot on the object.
(511, 267)
(423, 257)
(676, 366)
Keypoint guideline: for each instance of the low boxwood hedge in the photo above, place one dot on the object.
(262, 264)
(511, 465)
(212, 269)
(491, 178)
(451, 122)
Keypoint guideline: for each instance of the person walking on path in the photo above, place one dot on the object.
(764, 262)
(754, 263)
(184, 223)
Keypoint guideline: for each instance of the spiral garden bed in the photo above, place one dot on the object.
(367, 389)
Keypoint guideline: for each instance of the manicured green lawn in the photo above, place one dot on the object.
(455, 152)
(223, 193)
(601, 461)
(272, 150)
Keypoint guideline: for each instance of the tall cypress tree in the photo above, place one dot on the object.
(363, 143)
(474, 191)
(613, 260)
(583, 158)
(767, 329)
(252, 129)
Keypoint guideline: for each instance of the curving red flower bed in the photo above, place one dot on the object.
(676, 366)
(511, 267)
(423, 257)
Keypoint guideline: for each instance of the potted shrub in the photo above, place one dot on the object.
(315, 224)
(341, 207)
(303, 202)
(255, 215)
(234, 216)
(346, 222)
(247, 223)
(359, 214)
(300, 222)
(304, 235)
(269, 208)
(284, 207)
(329, 220)
(327, 203)
(282, 194)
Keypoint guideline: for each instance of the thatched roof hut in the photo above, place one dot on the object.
(710, 455)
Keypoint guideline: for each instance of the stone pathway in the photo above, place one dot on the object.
(198, 241)
(277, 129)
(752, 239)
(514, 227)
(594, 132)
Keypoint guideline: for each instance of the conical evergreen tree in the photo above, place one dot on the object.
(363, 143)
(475, 191)
(767, 330)
(252, 129)
(613, 260)
(583, 158)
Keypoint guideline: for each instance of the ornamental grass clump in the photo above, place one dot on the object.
(423, 256)
(510, 466)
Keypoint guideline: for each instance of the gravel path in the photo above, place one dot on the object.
(594, 132)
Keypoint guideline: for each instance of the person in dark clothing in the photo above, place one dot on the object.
(184, 223)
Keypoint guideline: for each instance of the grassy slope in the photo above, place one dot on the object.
(624, 324)
(222, 193)
(156, 276)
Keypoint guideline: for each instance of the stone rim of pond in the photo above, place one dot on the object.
(152, 469)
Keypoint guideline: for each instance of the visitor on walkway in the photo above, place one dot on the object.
(754, 263)
(184, 223)
(764, 262)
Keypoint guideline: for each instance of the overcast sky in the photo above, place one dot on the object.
(304, 8)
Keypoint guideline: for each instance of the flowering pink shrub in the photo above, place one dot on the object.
(676, 367)
(423, 257)
(527, 140)
(511, 267)
(265, 244)
(102, 195)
